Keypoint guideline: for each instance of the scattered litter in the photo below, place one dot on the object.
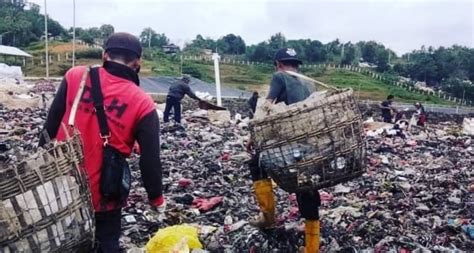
(417, 194)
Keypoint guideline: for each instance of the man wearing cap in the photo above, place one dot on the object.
(130, 116)
(252, 102)
(176, 93)
(387, 108)
(288, 89)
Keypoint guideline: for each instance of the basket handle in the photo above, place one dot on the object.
(295, 74)
(77, 99)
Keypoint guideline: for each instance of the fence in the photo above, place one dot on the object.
(357, 69)
(449, 109)
(60, 58)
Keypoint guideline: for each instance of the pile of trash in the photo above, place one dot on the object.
(417, 194)
(19, 132)
(26, 95)
(44, 86)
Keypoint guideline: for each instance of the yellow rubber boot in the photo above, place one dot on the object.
(266, 201)
(311, 236)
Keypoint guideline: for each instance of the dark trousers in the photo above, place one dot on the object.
(175, 103)
(308, 202)
(387, 118)
(108, 227)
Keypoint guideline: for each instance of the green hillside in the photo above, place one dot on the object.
(369, 88)
(245, 77)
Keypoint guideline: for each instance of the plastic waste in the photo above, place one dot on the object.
(176, 239)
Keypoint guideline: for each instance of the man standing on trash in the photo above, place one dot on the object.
(387, 108)
(175, 94)
(288, 89)
(130, 116)
(252, 102)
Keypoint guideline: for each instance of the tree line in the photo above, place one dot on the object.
(450, 69)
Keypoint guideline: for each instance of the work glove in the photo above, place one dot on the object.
(159, 204)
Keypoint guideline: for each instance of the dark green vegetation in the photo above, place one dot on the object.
(448, 69)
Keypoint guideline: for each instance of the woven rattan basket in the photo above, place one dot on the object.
(313, 144)
(45, 203)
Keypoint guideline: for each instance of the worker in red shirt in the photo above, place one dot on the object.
(130, 116)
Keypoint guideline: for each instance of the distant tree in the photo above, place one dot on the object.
(316, 52)
(300, 47)
(459, 88)
(349, 54)
(150, 37)
(333, 50)
(200, 43)
(231, 44)
(87, 38)
(94, 32)
(260, 53)
(106, 30)
(146, 36)
(369, 52)
(423, 67)
(54, 28)
(277, 41)
(160, 40)
(401, 69)
(381, 59)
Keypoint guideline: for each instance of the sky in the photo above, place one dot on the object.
(402, 25)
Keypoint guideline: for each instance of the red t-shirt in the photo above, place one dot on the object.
(125, 105)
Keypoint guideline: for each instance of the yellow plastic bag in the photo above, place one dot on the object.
(175, 239)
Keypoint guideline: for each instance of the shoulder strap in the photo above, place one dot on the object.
(295, 74)
(99, 107)
(77, 99)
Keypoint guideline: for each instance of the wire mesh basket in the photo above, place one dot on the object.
(45, 203)
(312, 144)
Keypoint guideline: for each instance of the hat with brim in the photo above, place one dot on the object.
(287, 55)
(124, 41)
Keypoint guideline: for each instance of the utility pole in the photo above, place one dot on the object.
(181, 64)
(149, 38)
(46, 39)
(73, 33)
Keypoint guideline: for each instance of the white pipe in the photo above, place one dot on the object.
(73, 33)
(46, 39)
(215, 57)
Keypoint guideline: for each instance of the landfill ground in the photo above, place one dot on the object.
(417, 194)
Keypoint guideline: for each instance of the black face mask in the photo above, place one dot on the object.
(138, 69)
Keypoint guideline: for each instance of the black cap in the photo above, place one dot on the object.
(287, 54)
(186, 77)
(124, 41)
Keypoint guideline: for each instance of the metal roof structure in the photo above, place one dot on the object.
(13, 51)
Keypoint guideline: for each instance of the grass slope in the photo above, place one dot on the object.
(368, 88)
(244, 77)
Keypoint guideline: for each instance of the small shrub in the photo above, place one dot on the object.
(63, 68)
(94, 53)
(192, 70)
(241, 87)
